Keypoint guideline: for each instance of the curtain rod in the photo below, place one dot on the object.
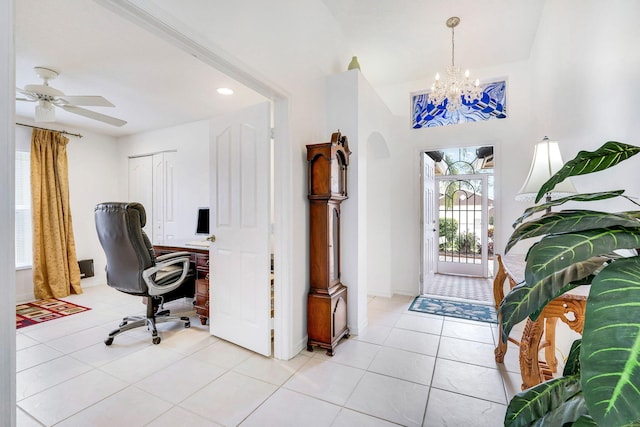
(64, 132)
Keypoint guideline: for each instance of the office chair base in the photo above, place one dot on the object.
(133, 322)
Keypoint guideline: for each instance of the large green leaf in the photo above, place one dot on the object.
(527, 301)
(571, 275)
(610, 357)
(572, 365)
(583, 421)
(586, 197)
(558, 251)
(532, 404)
(571, 220)
(567, 413)
(609, 154)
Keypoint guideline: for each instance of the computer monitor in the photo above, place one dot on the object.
(202, 224)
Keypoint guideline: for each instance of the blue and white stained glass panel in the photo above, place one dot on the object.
(492, 105)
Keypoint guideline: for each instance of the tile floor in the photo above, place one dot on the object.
(406, 369)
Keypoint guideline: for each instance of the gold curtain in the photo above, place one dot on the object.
(55, 266)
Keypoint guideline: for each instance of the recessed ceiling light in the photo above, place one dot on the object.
(225, 91)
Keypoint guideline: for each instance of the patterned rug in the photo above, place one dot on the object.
(459, 309)
(40, 311)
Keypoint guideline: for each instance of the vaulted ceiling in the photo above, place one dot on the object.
(153, 84)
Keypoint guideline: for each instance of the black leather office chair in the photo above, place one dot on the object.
(133, 268)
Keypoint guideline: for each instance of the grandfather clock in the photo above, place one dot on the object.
(327, 299)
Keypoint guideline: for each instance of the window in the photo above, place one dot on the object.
(24, 243)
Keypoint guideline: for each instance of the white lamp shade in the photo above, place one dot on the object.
(546, 162)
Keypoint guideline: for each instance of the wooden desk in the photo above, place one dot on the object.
(200, 264)
(568, 307)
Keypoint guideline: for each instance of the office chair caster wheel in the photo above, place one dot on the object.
(156, 340)
(108, 341)
(187, 325)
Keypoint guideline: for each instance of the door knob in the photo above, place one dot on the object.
(212, 238)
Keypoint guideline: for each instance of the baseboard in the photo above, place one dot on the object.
(300, 345)
(407, 293)
(361, 327)
(22, 298)
(374, 293)
(29, 296)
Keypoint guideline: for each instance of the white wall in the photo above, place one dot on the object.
(512, 138)
(354, 108)
(191, 142)
(93, 178)
(579, 87)
(585, 67)
(380, 215)
(342, 97)
(586, 64)
(292, 46)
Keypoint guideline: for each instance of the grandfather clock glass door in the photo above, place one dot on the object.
(334, 245)
(327, 300)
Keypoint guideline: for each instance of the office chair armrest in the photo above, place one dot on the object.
(171, 255)
(154, 288)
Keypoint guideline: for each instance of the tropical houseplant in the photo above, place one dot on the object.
(601, 380)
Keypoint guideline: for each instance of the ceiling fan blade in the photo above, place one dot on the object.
(44, 90)
(93, 115)
(88, 101)
(26, 99)
(29, 95)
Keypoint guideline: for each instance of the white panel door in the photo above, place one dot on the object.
(141, 187)
(240, 267)
(429, 225)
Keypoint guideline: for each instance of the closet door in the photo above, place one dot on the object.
(153, 182)
(170, 195)
(157, 219)
(164, 197)
(141, 186)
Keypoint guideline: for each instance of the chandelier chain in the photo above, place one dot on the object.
(453, 46)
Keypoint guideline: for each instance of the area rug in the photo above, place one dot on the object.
(459, 309)
(44, 310)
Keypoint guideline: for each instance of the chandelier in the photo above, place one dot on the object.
(455, 88)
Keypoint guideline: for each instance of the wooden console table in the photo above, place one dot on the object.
(199, 259)
(568, 307)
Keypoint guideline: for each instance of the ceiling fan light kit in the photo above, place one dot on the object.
(48, 97)
(45, 112)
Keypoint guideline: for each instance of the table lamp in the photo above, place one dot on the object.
(546, 162)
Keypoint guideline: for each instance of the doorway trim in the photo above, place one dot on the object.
(7, 216)
(158, 22)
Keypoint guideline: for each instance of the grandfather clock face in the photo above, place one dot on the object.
(337, 175)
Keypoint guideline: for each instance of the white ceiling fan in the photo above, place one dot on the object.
(47, 97)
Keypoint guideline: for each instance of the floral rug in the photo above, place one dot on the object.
(459, 309)
(35, 312)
